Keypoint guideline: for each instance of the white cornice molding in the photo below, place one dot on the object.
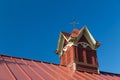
(88, 36)
(60, 43)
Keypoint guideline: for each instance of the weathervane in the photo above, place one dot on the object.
(74, 23)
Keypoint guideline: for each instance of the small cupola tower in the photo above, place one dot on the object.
(77, 50)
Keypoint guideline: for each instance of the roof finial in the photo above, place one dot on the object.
(74, 22)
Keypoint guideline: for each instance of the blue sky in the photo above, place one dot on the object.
(30, 28)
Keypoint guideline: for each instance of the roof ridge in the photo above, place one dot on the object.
(104, 72)
(4, 55)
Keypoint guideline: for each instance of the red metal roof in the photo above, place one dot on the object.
(14, 68)
(75, 32)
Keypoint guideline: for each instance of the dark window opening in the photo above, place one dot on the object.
(80, 54)
(89, 56)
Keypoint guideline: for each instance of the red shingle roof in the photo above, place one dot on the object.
(14, 68)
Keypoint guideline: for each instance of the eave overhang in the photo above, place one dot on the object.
(61, 40)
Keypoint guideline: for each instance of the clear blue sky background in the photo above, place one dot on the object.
(30, 28)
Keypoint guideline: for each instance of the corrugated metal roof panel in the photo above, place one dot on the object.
(13, 68)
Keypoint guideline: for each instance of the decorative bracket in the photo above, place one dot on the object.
(84, 44)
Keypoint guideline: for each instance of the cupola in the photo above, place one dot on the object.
(77, 50)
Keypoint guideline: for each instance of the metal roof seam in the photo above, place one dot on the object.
(9, 70)
(97, 75)
(82, 74)
(44, 70)
(15, 69)
(53, 70)
(32, 69)
(30, 72)
(79, 77)
(22, 70)
(53, 73)
(4, 71)
(59, 72)
(90, 75)
(71, 78)
(72, 73)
